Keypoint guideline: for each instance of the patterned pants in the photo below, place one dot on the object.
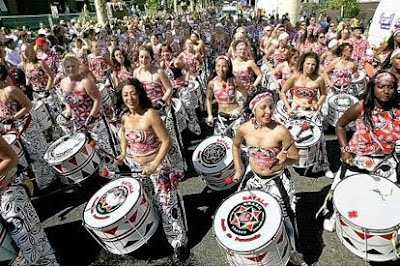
(187, 102)
(227, 121)
(175, 154)
(167, 201)
(35, 144)
(24, 224)
(270, 186)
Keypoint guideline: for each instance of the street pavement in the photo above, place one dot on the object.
(61, 215)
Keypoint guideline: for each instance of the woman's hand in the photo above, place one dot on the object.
(119, 159)
(282, 156)
(210, 120)
(347, 158)
(238, 176)
(149, 169)
(290, 111)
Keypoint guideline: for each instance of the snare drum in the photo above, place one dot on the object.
(308, 142)
(105, 95)
(368, 217)
(72, 158)
(195, 91)
(120, 216)
(41, 115)
(180, 114)
(213, 160)
(8, 249)
(359, 85)
(338, 104)
(280, 115)
(14, 142)
(249, 228)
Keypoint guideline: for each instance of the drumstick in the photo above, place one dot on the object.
(277, 160)
(304, 127)
(105, 173)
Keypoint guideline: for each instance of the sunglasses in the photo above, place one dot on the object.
(322, 37)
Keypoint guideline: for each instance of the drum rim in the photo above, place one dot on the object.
(334, 96)
(52, 161)
(5, 136)
(115, 221)
(363, 228)
(261, 246)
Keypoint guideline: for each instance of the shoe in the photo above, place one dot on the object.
(329, 223)
(329, 174)
(297, 259)
(180, 254)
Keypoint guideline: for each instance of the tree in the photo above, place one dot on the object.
(350, 7)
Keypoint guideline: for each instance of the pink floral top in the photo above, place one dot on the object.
(99, 67)
(192, 62)
(154, 90)
(360, 48)
(81, 104)
(341, 76)
(37, 78)
(226, 94)
(124, 74)
(82, 56)
(246, 77)
(141, 143)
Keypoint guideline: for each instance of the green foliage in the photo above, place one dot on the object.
(350, 7)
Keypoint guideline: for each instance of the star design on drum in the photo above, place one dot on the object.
(352, 214)
(112, 200)
(246, 217)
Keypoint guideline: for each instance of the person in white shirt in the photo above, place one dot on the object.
(42, 29)
(12, 57)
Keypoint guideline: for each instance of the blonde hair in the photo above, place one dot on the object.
(69, 57)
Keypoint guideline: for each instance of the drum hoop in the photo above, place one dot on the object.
(87, 208)
(52, 161)
(11, 135)
(369, 230)
(262, 246)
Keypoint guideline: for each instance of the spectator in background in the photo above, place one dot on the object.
(322, 20)
(331, 33)
(42, 29)
(12, 56)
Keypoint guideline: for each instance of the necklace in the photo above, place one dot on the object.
(379, 110)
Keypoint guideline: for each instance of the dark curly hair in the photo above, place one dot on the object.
(302, 59)
(369, 99)
(115, 62)
(342, 47)
(144, 100)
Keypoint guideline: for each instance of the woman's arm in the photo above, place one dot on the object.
(236, 151)
(257, 71)
(95, 95)
(275, 71)
(285, 87)
(123, 143)
(8, 160)
(15, 93)
(209, 97)
(167, 85)
(290, 156)
(350, 115)
(327, 72)
(49, 75)
(240, 87)
(322, 92)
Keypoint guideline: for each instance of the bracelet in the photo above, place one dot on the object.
(344, 149)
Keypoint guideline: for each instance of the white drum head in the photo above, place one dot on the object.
(370, 202)
(247, 221)
(342, 101)
(37, 104)
(177, 103)
(313, 133)
(213, 155)
(101, 86)
(361, 76)
(193, 84)
(64, 148)
(10, 138)
(112, 202)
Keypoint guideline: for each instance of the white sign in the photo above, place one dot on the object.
(385, 20)
(54, 11)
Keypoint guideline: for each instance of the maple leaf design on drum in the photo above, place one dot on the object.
(352, 214)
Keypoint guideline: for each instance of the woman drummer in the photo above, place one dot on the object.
(145, 143)
(159, 89)
(371, 148)
(305, 86)
(19, 214)
(83, 103)
(224, 87)
(14, 112)
(267, 141)
(122, 66)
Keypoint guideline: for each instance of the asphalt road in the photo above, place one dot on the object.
(61, 215)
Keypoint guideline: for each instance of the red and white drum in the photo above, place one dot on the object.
(8, 249)
(41, 115)
(180, 114)
(359, 85)
(368, 216)
(280, 115)
(14, 142)
(72, 158)
(213, 160)
(249, 228)
(307, 141)
(338, 104)
(120, 216)
(195, 91)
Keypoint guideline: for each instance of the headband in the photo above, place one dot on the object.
(223, 57)
(394, 54)
(385, 78)
(396, 32)
(258, 99)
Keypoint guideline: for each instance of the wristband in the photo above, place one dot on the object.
(344, 149)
